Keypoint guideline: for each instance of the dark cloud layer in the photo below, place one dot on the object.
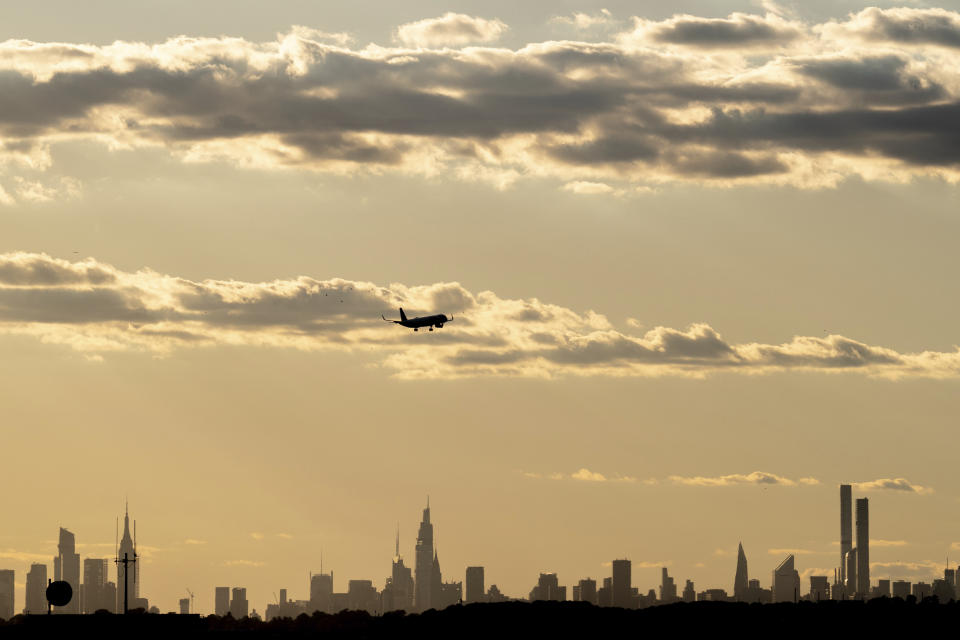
(631, 110)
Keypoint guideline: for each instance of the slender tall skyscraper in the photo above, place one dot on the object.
(66, 567)
(846, 528)
(127, 547)
(740, 581)
(863, 549)
(423, 566)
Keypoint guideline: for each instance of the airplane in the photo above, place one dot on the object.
(415, 323)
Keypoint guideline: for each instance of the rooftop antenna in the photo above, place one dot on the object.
(398, 539)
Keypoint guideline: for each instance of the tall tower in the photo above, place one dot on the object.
(128, 547)
(423, 566)
(66, 567)
(863, 549)
(846, 529)
(741, 580)
(622, 583)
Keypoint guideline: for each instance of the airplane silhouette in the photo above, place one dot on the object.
(415, 323)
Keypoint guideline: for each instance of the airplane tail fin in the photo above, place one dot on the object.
(403, 316)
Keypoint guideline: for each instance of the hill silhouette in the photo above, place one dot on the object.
(882, 616)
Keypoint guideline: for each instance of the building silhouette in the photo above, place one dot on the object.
(221, 601)
(362, 596)
(622, 584)
(97, 592)
(321, 592)
(819, 588)
(901, 589)
(689, 592)
(548, 588)
(423, 563)
(786, 581)
(239, 607)
(668, 588)
(863, 549)
(6, 593)
(398, 591)
(846, 528)
(130, 571)
(882, 590)
(587, 591)
(66, 567)
(742, 578)
(475, 588)
(36, 589)
(851, 586)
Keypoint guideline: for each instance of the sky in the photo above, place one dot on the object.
(700, 258)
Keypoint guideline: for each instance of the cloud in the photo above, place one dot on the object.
(888, 543)
(450, 30)
(192, 541)
(243, 563)
(257, 536)
(586, 21)
(795, 552)
(902, 25)
(955, 546)
(24, 556)
(95, 309)
(746, 99)
(588, 476)
(919, 570)
(581, 187)
(736, 31)
(892, 484)
(755, 478)
(285, 536)
(585, 475)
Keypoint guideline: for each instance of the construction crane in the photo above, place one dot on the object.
(192, 610)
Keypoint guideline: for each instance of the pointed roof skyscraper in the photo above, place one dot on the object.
(741, 580)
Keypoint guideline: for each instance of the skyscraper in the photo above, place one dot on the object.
(423, 563)
(95, 585)
(846, 528)
(622, 582)
(786, 581)
(221, 601)
(36, 591)
(66, 567)
(741, 579)
(6, 593)
(398, 591)
(863, 549)
(588, 590)
(475, 588)
(851, 563)
(668, 588)
(127, 548)
(321, 592)
(239, 607)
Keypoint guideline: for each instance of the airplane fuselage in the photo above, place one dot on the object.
(426, 321)
(437, 321)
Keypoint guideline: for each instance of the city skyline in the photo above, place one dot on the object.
(402, 587)
(700, 256)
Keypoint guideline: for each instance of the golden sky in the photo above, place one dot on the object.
(701, 262)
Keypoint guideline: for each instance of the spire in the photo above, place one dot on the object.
(741, 580)
(398, 540)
